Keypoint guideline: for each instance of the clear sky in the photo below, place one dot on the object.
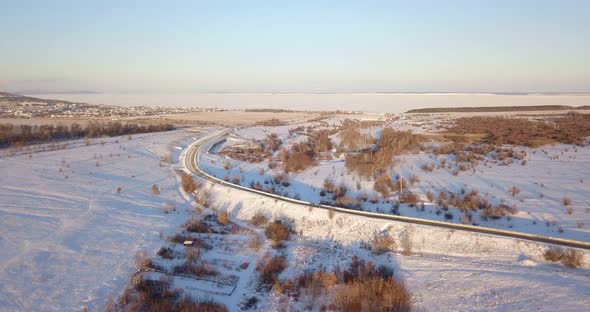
(295, 46)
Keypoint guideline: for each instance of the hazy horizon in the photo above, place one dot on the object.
(367, 102)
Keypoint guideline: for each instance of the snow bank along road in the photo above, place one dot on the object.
(192, 160)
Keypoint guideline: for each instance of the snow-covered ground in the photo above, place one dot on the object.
(67, 237)
(549, 174)
(449, 270)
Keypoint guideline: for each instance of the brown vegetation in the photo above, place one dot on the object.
(570, 257)
(277, 232)
(570, 129)
(26, 134)
(223, 218)
(382, 242)
(391, 143)
(269, 270)
(259, 219)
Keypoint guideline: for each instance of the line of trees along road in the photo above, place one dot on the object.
(17, 135)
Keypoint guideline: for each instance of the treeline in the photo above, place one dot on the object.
(490, 109)
(16, 135)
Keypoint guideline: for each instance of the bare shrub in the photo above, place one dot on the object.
(566, 201)
(414, 180)
(187, 182)
(329, 186)
(259, 219)
(223, 218)
(197, 226)
(553, 254)
(428, 167)
(406, 244)
(384, 185)
(255, 243)
(119, 190)
(572, 258)
(166, 253)
(373, 294)
(409, 198)
(269, 270)
(514, 191)
(382, 242)
(142, 261)
(204, 198)
(202, 269)
(192, 254)
(430, 196)
(155, 190)
(202, 305)
(277, 232)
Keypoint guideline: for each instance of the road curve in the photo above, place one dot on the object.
(191, 164)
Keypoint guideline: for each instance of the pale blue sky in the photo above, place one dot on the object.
(295, 46)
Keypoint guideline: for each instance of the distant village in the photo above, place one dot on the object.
(18, 106)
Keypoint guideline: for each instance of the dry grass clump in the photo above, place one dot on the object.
(188, 184)
(155, 190)
(497, 212)
(428, 167)
(406, 244)
(277, 232)
(142, 261)
(384, 185)
(166, 253)
(370, 288)
(255, 243)
(553, 254)
(430, 196)
(566, 201)
(223, 217)
(197, 226)
(201, 270)
(382, 242)
(409, 198)
(514, 191)
(570, 257)
(259, 219)
(269, 270)
(204, 197)
(188, 305)
(329, 186)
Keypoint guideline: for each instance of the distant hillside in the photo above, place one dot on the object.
(491, 109)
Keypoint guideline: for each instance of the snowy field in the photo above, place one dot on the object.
(72, 220)
(67, 237)
(448, 271)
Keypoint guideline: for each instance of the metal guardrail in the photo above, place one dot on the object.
(191, 162)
